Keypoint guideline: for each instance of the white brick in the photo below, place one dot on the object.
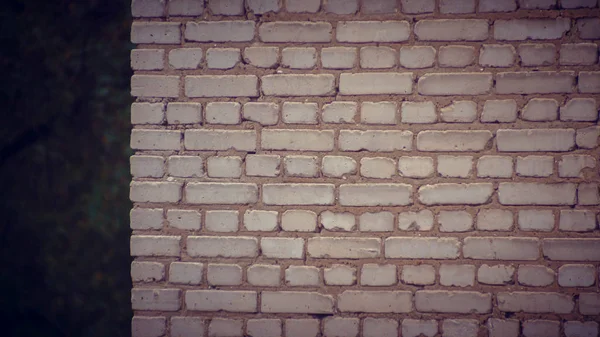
(535, 276)
(186, 8)
(302, 327)
(263, 6)
(222, 221)
(455, 221)
(535, 29)
(588, 194)
(295, 32)
(417, 7)
(147, 113)
(221, 86)
(148, 326)
(503, 328)
(502, 111)
(375, 301)
(453, 302)
(147, 8)
(453, 140)
(537, 4)
(264, 275)
(377, 167)
(460, 275)
(495, 167)
(532, 140)
(376, 222)
(539, 328)
(572, 54)
(377, 57)
(497, 6)
(415, 167)
(456, 56)
(421, 248)
(264, 221)
(185, 273)
(217, 193)
(376, 83)
(540, 110)
(338, 166)
(146, 218)
(589, 303)
(536, 220)
(298, 194)
(494, 220)
(537, 54)
(588, 28)
(415, 57)
(340, 327)
(418, 112)
(155, 139)
(301, 166)
(540, 82)
(343, 247)
(296, 302)
(338, 221)
(588, 138)
(535, 166)
(147, 271)
(457, 6)
(499, 248)
(185, 58)
(378, 275)
(460, 327)
(220, 140)
(187, 326)
(416, 328)
(222, 58)
(420, 221)
(372, 31)
(298, 85)
(185, 166)
(263, 327)
(379, 7)
(455, 166)
(184, 113)
(338, 57)
(495, 275)
(226, 7)
(183, 219)
(261, 112)
(262, 57)
(375, 140)
(451, 30)
(577, 220)
(155, 299)
(299, 58)
(220, 274)
(299, 221)
(380, 327)
(583, 329)
(455, 194)
(221, 327)
(146, 191)
(302, 6)
(574, 166)
(497, 55)
(147, 166)
(579, 109)
(220, 300)
(299, 113)
(339, 112)
(282, 248)
(576, 275)
(340, 275)
(451, 84)
(156, 32)
(375, 195)
(222, 246)
(224, 167)
(459, 112)
(537, 194)
(147, 59)
(154, 245)
(578, 3)
(302, 276)
(154, 86)
(422, 274)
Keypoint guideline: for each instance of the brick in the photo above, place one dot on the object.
(220, 140)
(340, 327)
(155, 299)
(497, 55)
(535, 166)
(456, 56)
(300, 113)
(149, 191)
(263, 275)
(221, 193)
(420, 221)
(263, 327)
(299, 221)
(455, 84)
(338, 221)
(301, 166)
(146, 218)
(378, 275)
(575, 328)
(147, 166)
(343, 248)
(282, 248)
(222, 327)
(156, 32)
(380, 327)
(532, 140)
(460, 327)
(375, 301)
(377, 167)
(452, 194)
(537, 194)
(186, 8)
(221, 86)
(263, 6)
(579, 109)
(154, 86)
(574, 166)
(220, 274)
(338, 57)
(537, 54)
(296, 302)
(341, 6)
(338, 166)
(261, 112)
(537, 4)
(418, 112)
(576, 275)
(495, 275)
(376, 222)
(486, 6)
(298, 194)
(155, 139)
(498, 248)
(541, 220)
(499, 111)
(494, 220)
(376, 83)
(541, 82)
(539, 302)
(535, 29)
(571, 249)
(302, 327)
(415, 57)
(577, 3)
(184, 113)
(540, 110)
(339, 112)
(147, 271)
(457, 6)
(422, 274)
(221, 300)
(589, 303)
(588, 28)
(453, 301)
(503, 328)
(226, 7)
(183, 219)
(375, 140)
(298, 85)
(147, 59)
(185, 166)
(457, 275)
(147, 8)
(262, 57)
(302, 6)
(379, 7)
(572, 54)
(302, 276)
(415, 167)
(377, 57)
(185, 273)
(455, 221)
(299, 58)
(587, 138)
(589, 82)
(535, 276)
(455, 166)
(295, 32)
(416, 328)
(222, 246)
(148, 326)
(147, 113)
(185, 58)
(262, 221)
(222, 58)
(372, 31)
(495, 167)
(375, 195)
(421, 248)
(459, 112)
(452, 30)
(339, 275)
(222, 221)
(588, 194)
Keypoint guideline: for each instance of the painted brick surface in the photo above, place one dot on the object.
(387, 168)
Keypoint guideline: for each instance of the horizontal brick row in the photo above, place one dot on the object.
(364, 31)
(145, 326)
(476, 248)
(366, 275)
(370, 57)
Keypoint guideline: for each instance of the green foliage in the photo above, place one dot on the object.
(64, 233)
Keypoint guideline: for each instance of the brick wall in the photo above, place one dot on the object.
(365, 168)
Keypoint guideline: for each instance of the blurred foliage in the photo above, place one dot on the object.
(64, 233)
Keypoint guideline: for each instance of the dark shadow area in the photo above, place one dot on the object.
(64, 232)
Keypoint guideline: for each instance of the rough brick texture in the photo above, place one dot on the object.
(337, 168)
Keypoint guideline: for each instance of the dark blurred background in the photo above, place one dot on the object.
(64, 232)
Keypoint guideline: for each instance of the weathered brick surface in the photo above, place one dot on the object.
(308, 168)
